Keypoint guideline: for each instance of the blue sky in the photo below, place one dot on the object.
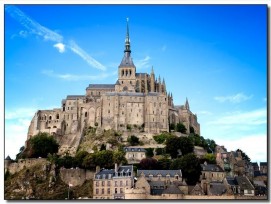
(215, 55)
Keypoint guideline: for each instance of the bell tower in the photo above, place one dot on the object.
(127, 69)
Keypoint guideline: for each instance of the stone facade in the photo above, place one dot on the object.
(136, 99)
(134, 154)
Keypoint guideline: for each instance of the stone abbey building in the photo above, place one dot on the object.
(136, 99)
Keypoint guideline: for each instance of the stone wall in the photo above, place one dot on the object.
(24, 163)
(76, 176)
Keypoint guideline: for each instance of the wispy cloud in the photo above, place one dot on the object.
(60, 47)
(19, 113)
(204, 112)
(37, 29)
(143, 63)
(250, 118)
(90, 60)
(238, 98)
(74, 77)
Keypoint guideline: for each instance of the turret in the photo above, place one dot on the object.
(152, 81)
(187, 105)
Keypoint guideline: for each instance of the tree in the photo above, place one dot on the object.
(88, 162)
(244, 156)
(164, 163)
(133, 140)
(149, 152)
(119, 157)
(160, 139)
(190, 166)
(104, 159)
(181, 128)
(191, 129)
(210, 145)
(209, 158)
(67, 161)
(148, 163)
(79, 158)
(41, 145)
(177, 146)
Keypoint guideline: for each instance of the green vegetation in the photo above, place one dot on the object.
(133, 140)
(160, 139)
(209, 158)
(181, 128)
(190, 166)
(177, 146)
(148, 163)
(149, 152)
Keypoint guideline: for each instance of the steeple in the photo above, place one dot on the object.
(187, 104)
(152, 72)
(127, 60)
(127, 40)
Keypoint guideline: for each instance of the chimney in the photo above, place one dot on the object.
(116, 168)
(98, 169)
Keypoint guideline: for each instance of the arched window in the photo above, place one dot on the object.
(126, 72)
(57, 116)
(86, 114)
(130, 72)
(50, 117)
(122, 72)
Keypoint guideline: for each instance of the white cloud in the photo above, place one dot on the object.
(250, 118)
(90, 60)
(35, 28)
(60, 47)
(19, 113)
(255, 146)
(204, 112)
(143, 63)
(74, 77)
(238, 98)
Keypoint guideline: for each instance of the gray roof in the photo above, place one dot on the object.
(255, 164)
(110, 173)
(124, 94)
(71, 97)
(141, 74)
(172, 173)
(134, 149)
(231, 181)
(157, 183)
(211, 167)
(127, 61)
(153, 94)
(117, 82)
(8, 158)
(197, 190)
(172, 189)
(101, 86)
(244, 183)
(263, 163)
(217, 188)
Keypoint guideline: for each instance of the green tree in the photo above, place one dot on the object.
(149, 152)
(119, 157)
(186, 145)
(209, 158)
(190, 166)
(103, 158)
(133, 140)
(88, 162)
(67, 161)
(160, 139)
(181, 128)
(210, 145)
(79, 158)
(177, 146)
(164, 163)
(41, 145)
(191, 129)
(172, 146)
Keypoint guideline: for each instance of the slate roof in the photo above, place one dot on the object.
(254, 164)
(211, 167)
(75, 96)
(127, 61)
(217, 188)
(263, 163)
(124, 94)
(197, 190)
(244, 183)
(110, 173)
(158, 184)
(8, 158)
(231, 181)
(172, 189)
(153, 94)
(172, 173)
(141, 74)
(101, 86)
(134, 149)
(117, 82)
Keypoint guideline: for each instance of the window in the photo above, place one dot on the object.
(91, 93)
(97, 183)
(116, 190)
(97, 191)
(102, 191)
(57, 116)
(120, 183)
(126, 182)
(102, 183)
(116, 183)
(108, 191)
(108, 183)
(108, 111)
(121, 190)
(86, 114)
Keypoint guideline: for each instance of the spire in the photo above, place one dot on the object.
(164, 81)
(187, 104)
(127, 39)
(152, 72)
(159, 79)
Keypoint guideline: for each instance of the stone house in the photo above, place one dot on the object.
(111, 183)
(134, 154)
(240, 185)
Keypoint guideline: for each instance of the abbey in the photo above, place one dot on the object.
(135, 100)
